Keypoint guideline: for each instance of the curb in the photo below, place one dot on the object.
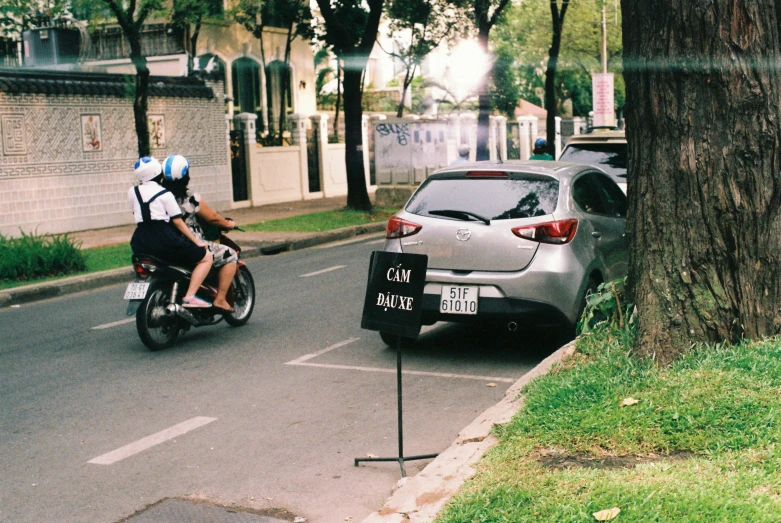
(251, 249)
(419, 499)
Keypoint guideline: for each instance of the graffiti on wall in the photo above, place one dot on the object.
(400, 131)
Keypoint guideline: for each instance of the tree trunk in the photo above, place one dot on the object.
(704, 135)
(550, 74)
(193, 46)
(140, 98)
(408, 75)
(484, 100)
(357, 195)
(338, 97)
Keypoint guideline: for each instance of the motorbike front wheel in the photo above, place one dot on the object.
(157, 330)
(243, 298)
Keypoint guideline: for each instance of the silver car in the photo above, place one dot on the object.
(518, 242)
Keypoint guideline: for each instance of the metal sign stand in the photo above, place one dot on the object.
(401, 459)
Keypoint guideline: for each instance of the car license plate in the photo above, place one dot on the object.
(136, 290)
(458, 299)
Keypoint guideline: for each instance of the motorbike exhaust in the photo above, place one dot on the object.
(178, 310)
(512, 326)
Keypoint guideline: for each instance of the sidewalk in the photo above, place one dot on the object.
(122, 234)
(252, 243)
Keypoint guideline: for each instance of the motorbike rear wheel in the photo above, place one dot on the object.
(157, 330)
(243, 298)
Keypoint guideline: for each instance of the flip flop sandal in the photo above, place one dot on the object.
(194, 302)
(224, 310)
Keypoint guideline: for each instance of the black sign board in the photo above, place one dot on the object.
(394, 293)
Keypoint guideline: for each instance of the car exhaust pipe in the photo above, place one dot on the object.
(175, 309)
(512, 326)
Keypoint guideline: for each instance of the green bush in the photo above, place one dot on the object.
(35, 256)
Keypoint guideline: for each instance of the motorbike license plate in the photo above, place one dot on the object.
(458, 299)
(136, 290)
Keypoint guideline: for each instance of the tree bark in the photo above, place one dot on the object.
(557, 18)
(338, 98)
(483, 98)
(357, 195)
(141, 95)
(704, 135)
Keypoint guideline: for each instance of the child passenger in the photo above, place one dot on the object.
(157, 213)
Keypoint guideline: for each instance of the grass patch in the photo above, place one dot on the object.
(717, 409)
(323, 221)
(34, 256)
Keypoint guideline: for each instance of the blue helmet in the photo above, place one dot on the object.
(146, 168)
(540, 143)
(175, 167)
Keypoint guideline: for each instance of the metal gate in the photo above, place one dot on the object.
(313, 157)
(238, 166)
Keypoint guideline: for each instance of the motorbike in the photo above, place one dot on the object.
(155, 297)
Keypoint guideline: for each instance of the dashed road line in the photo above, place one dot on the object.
(112, 324)
(150, 441)
(329, 269)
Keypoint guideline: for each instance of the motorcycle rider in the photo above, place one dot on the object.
(197, 214)
(155, 211)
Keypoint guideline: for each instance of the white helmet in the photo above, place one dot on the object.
(463, 150)
(147, 168)
(175, 167)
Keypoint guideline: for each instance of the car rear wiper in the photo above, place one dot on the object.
(461, 215)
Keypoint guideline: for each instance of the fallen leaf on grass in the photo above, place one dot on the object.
(607, 514)
(629, 401)
(490, 384)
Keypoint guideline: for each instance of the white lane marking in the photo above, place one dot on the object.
(376, 242)
(410, 372)
(113, 324)
(306, 357)
(302, 361)
(329, 269)
(349, 241)
(150, 441)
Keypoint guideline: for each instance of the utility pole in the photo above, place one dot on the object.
(604, 41)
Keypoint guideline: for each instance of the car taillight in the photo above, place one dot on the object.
(144, 268)
(398, 228)
(558, 233)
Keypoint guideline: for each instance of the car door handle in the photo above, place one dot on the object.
(596, 234)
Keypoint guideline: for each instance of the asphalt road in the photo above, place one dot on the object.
(267, 416)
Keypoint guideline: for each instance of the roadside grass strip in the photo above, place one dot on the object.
(323, 221)
(701, 444)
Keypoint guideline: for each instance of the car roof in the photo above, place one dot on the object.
(599, 136)
(553, 169)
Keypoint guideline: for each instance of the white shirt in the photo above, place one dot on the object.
(163, 208)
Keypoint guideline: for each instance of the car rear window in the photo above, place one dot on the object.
(610, 157)
(492, 198)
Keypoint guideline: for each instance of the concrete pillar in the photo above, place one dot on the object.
(501, 136)
(298, 138)
(469, 133)
(578, 125)
(320, 122)
(524, 134)
(381, 176)
(245, 124)
(534, 121)
(557, 145)
(365, 150)
(492, 138)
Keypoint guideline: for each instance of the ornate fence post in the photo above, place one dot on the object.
(298, 138)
